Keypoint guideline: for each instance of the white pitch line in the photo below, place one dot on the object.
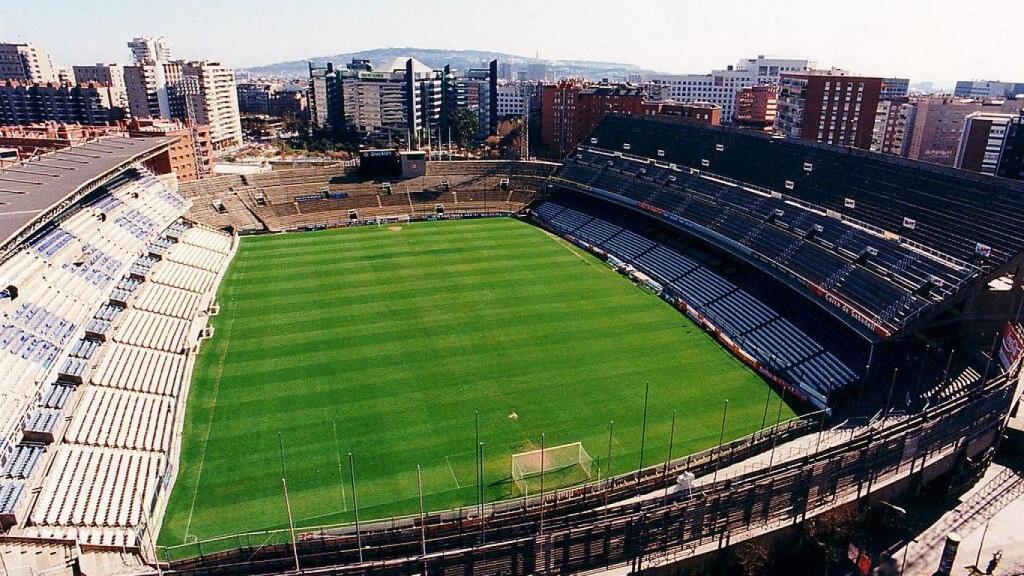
(213, 410)
(452, 470)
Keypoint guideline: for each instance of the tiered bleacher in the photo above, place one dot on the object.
(879, 279)
(771, 340)
(955, 213)
(86, 436)
(117, 445)
(325, 197)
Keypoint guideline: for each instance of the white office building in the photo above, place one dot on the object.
(720, 86)
(513, 100)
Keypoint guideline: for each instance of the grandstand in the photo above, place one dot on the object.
(881, 263)
(328, 197)
(109, 291)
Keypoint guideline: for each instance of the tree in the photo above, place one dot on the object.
(464, 124)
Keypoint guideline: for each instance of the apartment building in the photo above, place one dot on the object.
(325, 107)
(476, 89)
(110, 75)
(829, 107)
(894, 88)
(26, 63)
(190, 157)
(987, 89)
(721, 86)
(257, 97)
(756, 106)
(690, 112)
(199, 91)
(219, 98)
(596, 102)
(894, 123)
(559, 116)
(984, 141)
(31, 103)
(149, 49)
(513, 99)
(939, 124)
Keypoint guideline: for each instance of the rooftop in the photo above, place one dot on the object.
(30, 189)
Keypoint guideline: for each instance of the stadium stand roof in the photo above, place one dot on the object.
(43, 185)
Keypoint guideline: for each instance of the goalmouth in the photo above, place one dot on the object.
(549, 468)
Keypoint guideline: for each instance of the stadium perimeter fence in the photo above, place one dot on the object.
(571, 531)
(605, 489)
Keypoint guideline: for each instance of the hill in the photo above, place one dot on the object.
(459, 59)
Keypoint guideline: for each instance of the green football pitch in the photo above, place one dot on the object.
(387, 342)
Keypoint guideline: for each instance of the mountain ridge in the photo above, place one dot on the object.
(459, 59)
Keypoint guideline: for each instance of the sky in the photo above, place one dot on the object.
(934, 40)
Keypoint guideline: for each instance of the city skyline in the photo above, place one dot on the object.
(878, 38)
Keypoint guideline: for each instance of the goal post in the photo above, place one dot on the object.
(561, 466)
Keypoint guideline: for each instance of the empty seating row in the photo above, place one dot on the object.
(182, 276)
(758, 222)
(122, 419)
(970, 218)
(195, 256)
(141, 370)
(156, 331)
(90, 486)
(167, 300)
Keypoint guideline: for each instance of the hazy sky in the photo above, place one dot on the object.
(939, 40)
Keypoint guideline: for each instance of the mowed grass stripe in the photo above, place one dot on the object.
(398, 338)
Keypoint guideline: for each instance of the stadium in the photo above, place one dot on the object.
(677, 339)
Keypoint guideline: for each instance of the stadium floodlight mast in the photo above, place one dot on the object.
(341, 471)
(480, 500)
(671, 440)
(767, 401)
(892, 385)
(541, 527)
(423, 523)
(355, 506)
(775, 430)
(721, 438)
(608, 458)
(287, 504)
(643, 427)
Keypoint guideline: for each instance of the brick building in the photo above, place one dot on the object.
(894, 122)
(704, 113)
(190, 157)
(571, 109)
(559, 117)
(44, 137)
(596, 102)
(940, 123)
(756, 106)
(830, 107)
(984, 141)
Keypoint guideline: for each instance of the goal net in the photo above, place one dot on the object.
(561, 466)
